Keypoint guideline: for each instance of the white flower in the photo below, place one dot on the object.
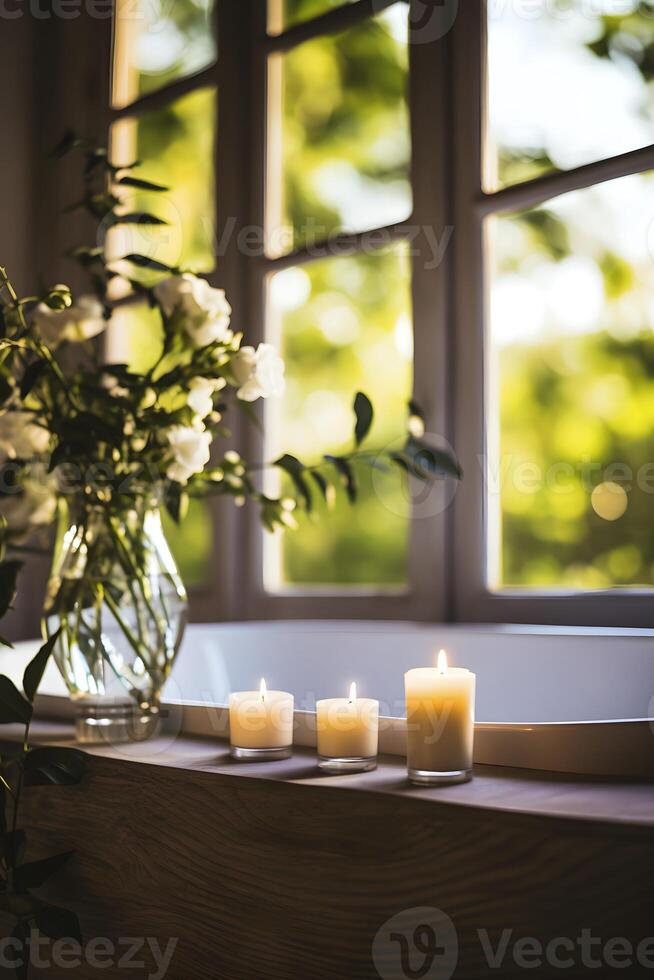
(200, 394)
(259, 373)
(79, 322)
(205, 310)
(20, 438)
(191, 452)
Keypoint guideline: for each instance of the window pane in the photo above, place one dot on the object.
(341, 159)
(569, 83)
(135, 337)
(572, 378)
(191, 543)
(344, 325)
(157, 41)
(176, 148)
(286, 13)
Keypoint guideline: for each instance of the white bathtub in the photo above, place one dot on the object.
(564, 700)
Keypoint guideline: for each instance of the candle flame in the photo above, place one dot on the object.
(442, 662)
(263, 690)
(353, 691)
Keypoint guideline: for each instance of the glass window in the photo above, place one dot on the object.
(175, 147)
(191, 543)
(344, 324)
(135, 337)
(569, 82)
(572, 376)
(157, 41)
(340, 155)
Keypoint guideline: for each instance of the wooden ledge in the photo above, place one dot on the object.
(280, 873)
(502, 792)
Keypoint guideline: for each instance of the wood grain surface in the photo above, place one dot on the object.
(284, 875)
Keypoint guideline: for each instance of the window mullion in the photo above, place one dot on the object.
(343, 245)
(168, 93)
(534, 192)
(431, 232)
(468, 78)
(332, 22)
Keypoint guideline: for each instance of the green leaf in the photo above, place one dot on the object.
(347, 473)
(58, 923)
(54, 766)
(433, 462)
(364, 413)
(322, 483)
(67, 142)
(144, 185)
(143, 262)
(295, 470)
(86, 256)
(35, 669)
(94, 159)
(415, 409)
(8, 574)
(36, 873)
(136, 218)
(403, 462)
(177, 502)
(13, 706)
(31, 376)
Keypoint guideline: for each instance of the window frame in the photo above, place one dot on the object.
(447, 553)
(427, 595)
(475, 601)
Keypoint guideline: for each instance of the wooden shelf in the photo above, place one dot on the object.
(502, 791)
(281, 873)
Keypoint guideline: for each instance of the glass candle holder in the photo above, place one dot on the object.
(347, 732)
(261, 725)
(440, 708)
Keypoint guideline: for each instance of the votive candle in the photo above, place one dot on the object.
(440, 710)
(347, 733)
(261, 724)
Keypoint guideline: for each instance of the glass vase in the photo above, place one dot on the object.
(117, 599)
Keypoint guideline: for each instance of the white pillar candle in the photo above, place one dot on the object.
(440, 708)
(347, 733)
(261, 723)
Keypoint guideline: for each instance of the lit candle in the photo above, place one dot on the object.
(440, 709)
(348, 732)
(261, 724)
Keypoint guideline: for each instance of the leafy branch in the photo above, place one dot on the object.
(20, 770)
(416, 459)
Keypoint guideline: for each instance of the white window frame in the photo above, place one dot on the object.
(447, 553)
(426, 596)
(474, 600)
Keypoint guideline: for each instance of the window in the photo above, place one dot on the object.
(340, 286)
(339, 148)
(164, 115)
(555, 206)
(417, 204)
